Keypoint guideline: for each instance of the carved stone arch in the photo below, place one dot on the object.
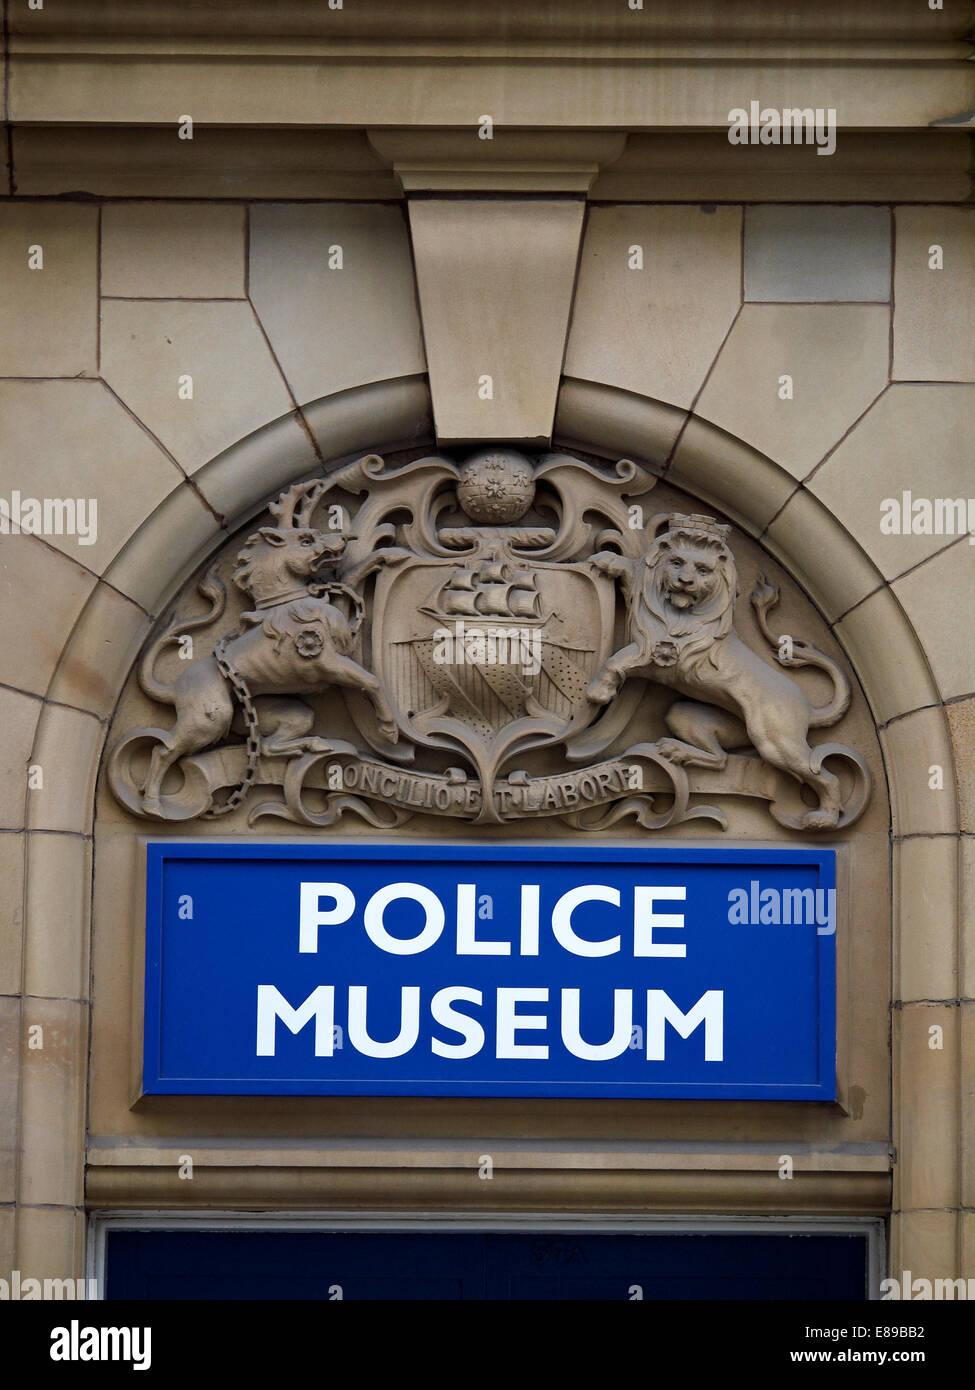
(395, 414)
(483, 718)
(603, 421)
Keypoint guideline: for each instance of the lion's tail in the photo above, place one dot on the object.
(211, 587)
(794, 651)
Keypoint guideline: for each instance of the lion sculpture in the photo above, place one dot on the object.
(293, 642)
(680, 598)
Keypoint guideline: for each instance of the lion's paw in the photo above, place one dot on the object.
(820, 820)
(315, 744)
(673, 750)
(600, 692)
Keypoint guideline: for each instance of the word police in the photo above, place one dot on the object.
(641, 930)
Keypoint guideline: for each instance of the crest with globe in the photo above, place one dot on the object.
(496, 486)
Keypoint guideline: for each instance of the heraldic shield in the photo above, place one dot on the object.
(485, 638)
(492, 650)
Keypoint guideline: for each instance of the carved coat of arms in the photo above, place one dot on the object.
(479, 623)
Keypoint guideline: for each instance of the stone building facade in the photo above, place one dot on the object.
(244, 246)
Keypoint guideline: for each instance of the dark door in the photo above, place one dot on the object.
(479, 1265)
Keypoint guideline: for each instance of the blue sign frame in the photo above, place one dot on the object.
(222, 923)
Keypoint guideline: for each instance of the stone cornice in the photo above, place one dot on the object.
(245, 164)
(911, 51)
(264, 91)
(442, 63)
(504, 24)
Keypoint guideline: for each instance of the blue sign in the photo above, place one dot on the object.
(490, 970)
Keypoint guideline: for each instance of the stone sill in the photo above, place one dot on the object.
(436, 1189)
(506, 1155)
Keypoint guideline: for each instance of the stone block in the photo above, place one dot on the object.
(72, 443)
(9, 1085)
(49, 325)
(43, 593)
(966, 1258)
(150, 348)
(173, 250)
(333, 327)
(8, 1237)
(925, 936)
(257, 468)
(934, 309)
(50, 1242)
(816, 550)
(12, 846)
(817, 254)
(655, 327)
(937, 597)
(836, 359)
(967, 914)
(619, 424)
(916, 748)
(164, 549)
(57, 916)
(961, 722)
(730, 475)
(924, 1243)
(19, 715)
(966, 1023)
(926, 1102)
(895, 674)
(53, 1101)
(345, 425)
(916, 440)
(100, 652)
(66, 751)
(495, 281)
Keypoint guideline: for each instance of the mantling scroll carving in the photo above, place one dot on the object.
(466, 616)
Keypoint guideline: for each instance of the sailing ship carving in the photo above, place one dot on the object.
(506, 647)
(496, 589)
